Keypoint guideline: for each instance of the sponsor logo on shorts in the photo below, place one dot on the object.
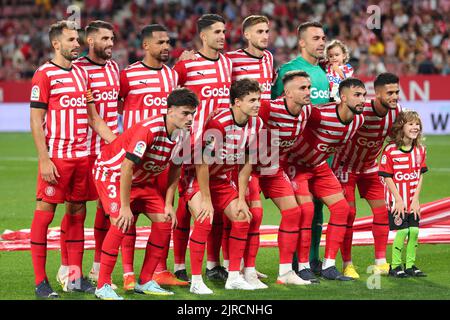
(294, 185)
(35, 91)
(114, 207)
(50, 191)
(139, 149)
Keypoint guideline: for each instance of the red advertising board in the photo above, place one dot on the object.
(413, 88)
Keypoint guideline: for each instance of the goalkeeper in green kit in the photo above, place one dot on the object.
(311, 41)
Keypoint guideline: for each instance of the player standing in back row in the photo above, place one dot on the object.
(61, 110)
(103, 73)
(144, 87)
(209, 76)
(356, 165)
(254, 62)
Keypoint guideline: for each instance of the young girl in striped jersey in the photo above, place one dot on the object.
(401, 167)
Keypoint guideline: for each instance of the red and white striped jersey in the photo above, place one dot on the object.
(226, 142)
(361, 152)
(324, 135)
(260, 69)
(405, 168)
(211, 81)
(283, 130)
(146, 143)
(144, 91)
(104, 84)
(62, 92)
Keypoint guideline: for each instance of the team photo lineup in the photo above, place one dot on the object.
(197, 146)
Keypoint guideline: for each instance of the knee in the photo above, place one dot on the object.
(413, 232)
(339, 212)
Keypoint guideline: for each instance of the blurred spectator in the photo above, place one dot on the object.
(414, 35)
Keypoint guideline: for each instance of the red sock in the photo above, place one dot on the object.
(380, 231)
(225, 237)
(346, 247)
(110, 251)
(162, 265)
(38, 240)
(75, 244)
(197, 245)
(336, 228)
(236, 244)
(304, 240)
(288, 233)
(158, 240)
(215, 238)
(252, 246)
(181, 232)
(62, 240)
(101, 226)
(128, 247)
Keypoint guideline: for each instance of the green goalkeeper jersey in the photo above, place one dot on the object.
(320, 87)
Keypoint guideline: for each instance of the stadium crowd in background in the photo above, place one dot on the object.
(413, 39)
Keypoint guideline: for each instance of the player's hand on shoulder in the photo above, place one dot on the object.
(49, 172)
(187, 55)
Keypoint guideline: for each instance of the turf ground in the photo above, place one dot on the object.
(18, 166)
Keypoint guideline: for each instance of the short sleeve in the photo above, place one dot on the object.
(423, 165)
(264, 110)
(180, 69)
(386, 165)
(40, 90)
(140, 141)
(212, 133)
(124, 85)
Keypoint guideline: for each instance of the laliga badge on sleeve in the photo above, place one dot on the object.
(35, 91)
(139, 149)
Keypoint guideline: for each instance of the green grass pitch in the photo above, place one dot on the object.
(18, 168)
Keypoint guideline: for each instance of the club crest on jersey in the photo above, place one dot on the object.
(139, 149)
(35, 91)
(383, 159)
(50, 191)
(114, 207)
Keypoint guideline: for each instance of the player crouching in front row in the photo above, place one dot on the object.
(229, 135)
(125, 175)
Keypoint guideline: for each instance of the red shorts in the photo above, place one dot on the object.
(143, 198)
(73, 182)
(369, 185)
(319, 181)
(223, 191)
(273, 186)
(92, 190)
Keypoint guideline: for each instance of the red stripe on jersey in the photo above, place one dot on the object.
(104, 84)
(144, 91)
(361, 152)
(228, 141)
(283, 129)
(210, 80)
(62, 93)
(405, 169)
(260, 69)
(147, 140)
(324, 134)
